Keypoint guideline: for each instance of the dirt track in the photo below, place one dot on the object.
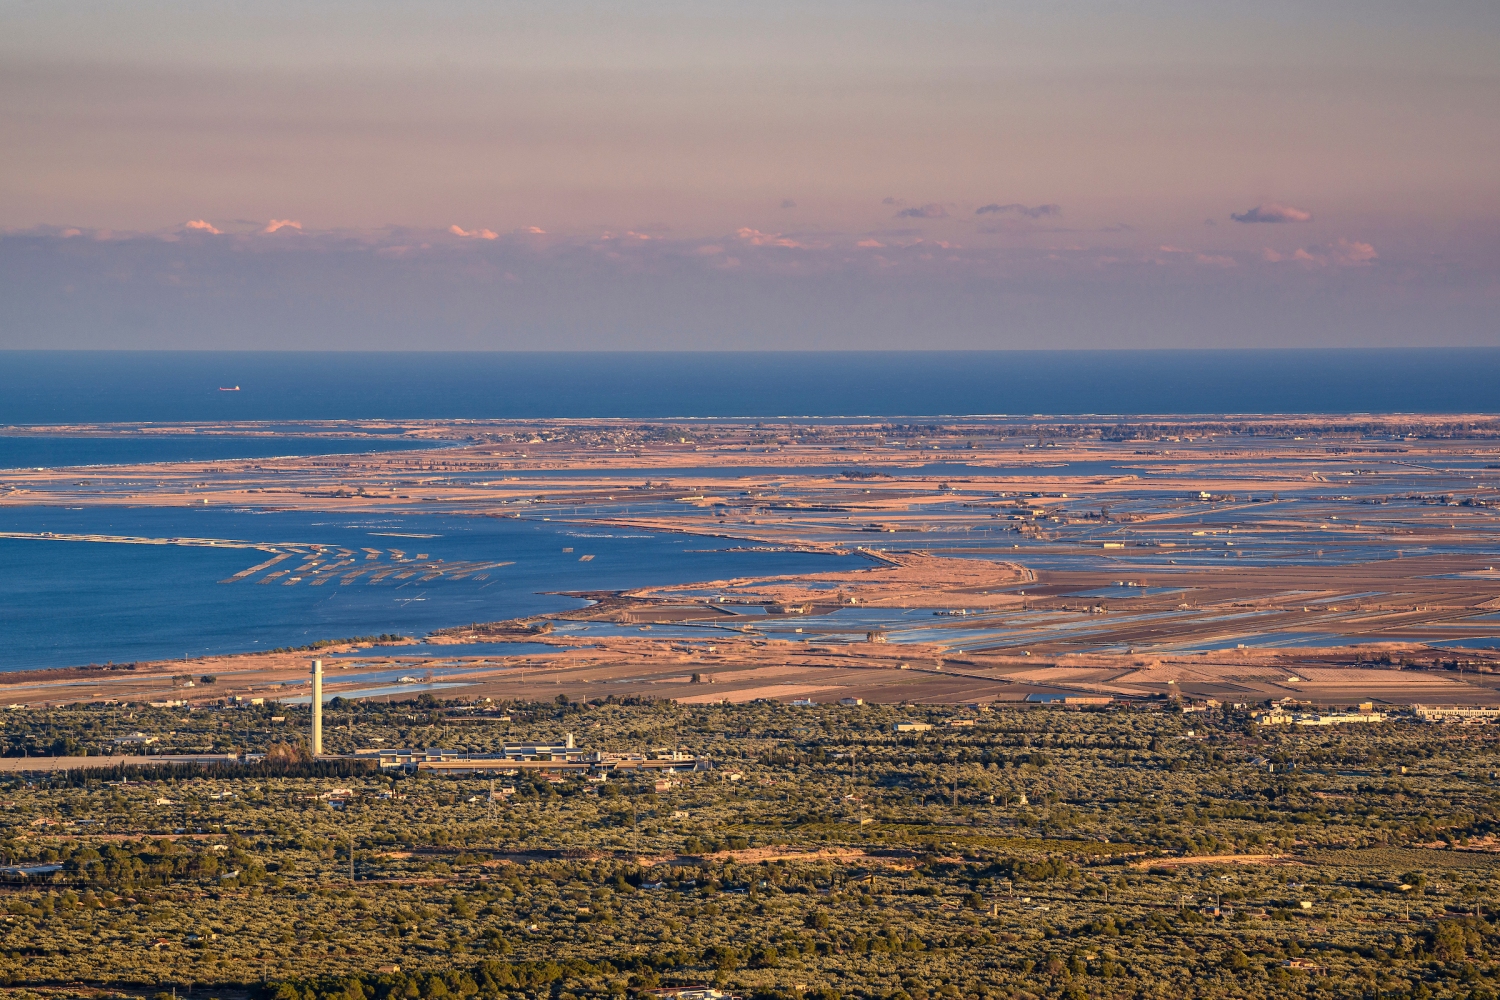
(1217, 859)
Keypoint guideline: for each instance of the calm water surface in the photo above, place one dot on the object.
(66, 602)
(38, 387)
(49, 452)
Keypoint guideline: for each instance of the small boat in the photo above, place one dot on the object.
(229, 388)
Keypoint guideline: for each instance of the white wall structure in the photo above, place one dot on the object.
(317, 708)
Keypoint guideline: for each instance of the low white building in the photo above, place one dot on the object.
(1284, 718)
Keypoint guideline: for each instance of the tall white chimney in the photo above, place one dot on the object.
(317, 708)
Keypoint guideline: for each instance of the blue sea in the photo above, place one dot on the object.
(50, 387)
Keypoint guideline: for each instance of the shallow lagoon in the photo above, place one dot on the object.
(64, 602)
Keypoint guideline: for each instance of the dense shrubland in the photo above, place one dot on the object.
(821, 855)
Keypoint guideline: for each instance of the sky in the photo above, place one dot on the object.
(659, 175)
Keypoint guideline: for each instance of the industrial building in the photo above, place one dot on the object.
(1465, 714)
(1052, 698)
(531, 757)
(1285, 718)
(546, 757)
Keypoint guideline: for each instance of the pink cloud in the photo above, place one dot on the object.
(1343, 253)
(276, 224)
(1212, 260)
(207, 227)
(536, 230)
(757, 238)
(870, 244)
(1273, 212)
(1353, 253)
(474, 234)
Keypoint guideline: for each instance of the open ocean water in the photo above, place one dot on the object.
(44, 387)
(76, 602)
